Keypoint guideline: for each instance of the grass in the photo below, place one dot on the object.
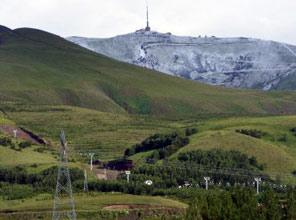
(26, 157)
(4, 120)
(93, 202)
(41, 68)
(87, 206)
(106, 134)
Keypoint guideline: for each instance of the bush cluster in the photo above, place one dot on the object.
(5, 141)
(24, 144)
(251, 132)
(16, 191)
(160, 141)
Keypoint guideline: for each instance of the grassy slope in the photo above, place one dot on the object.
(83, 202)
(26, 157)
(106, 134)
(39, 67)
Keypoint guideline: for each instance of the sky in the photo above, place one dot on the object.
(264, 19)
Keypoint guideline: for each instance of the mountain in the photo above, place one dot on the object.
(229, 62)
(38, 67)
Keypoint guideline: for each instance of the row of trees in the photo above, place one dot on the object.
(17, 179)
(242, 204)
(223, 167)
(217, 158)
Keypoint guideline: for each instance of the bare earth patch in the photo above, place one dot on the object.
(116, 207)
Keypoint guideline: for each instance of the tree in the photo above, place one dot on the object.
(246, 203)
(291, 205)
(193, 211)
(270, 206)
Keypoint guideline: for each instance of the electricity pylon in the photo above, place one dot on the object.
(63, 202)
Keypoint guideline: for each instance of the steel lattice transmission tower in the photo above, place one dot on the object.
(63, 203)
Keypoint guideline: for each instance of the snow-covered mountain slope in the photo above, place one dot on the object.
(229, 62)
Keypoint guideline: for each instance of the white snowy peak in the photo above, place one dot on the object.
(230, 62)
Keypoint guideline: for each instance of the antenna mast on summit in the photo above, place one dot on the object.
(147, 13)
(147, 27)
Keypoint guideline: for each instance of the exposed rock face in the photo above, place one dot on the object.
(229, 62)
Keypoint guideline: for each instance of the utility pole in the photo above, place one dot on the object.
(127, 175)
(85, 186)
(15, 132)
(258, 179)
(105, 174)
(91, 160)
(207, 179)
(63, 201)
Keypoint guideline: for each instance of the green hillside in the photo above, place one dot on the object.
(275, 149)
(108, 135)
(272, 149)
(39, 67)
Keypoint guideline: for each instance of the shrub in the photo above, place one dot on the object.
(40, 150)
(190, 131)
(34, 165)
(25, 144)
(5, 141)
(283, 138)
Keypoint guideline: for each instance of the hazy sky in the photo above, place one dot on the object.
(266, 19)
